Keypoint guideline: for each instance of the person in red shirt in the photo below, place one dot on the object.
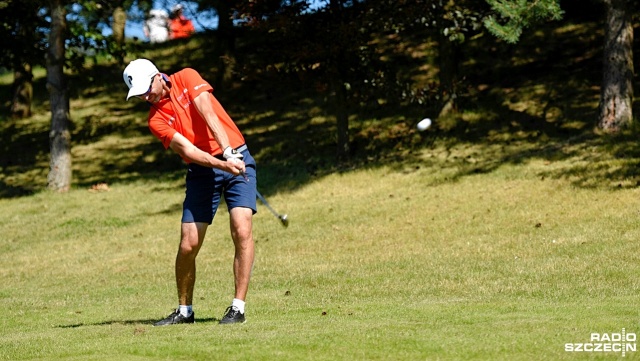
(180, 27)
(186, 117)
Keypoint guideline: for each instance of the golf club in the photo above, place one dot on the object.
(282, 217)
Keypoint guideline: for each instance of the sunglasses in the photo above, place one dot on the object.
(149, 90)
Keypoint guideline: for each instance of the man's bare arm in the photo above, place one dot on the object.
(204, 107)
(187, 150)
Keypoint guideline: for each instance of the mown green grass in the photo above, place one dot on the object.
(500, 234)
(377, 264)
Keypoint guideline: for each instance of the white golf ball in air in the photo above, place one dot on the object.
(424, 124)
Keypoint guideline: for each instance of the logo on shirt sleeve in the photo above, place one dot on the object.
(199, 86)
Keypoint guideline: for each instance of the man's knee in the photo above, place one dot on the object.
(187, 247)
(241, 224)
(191, 238)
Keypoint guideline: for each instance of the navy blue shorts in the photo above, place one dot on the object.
(206, 186)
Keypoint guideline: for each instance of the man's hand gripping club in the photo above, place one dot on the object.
(231, 155)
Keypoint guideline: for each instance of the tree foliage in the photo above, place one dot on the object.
(344, 47)
(513, 16)
(24, 45)
(339, 48)
(24, 33)
(88, 20)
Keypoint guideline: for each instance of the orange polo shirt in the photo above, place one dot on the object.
(178, 114)
(181, 27)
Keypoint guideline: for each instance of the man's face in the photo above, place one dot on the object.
(154, 94)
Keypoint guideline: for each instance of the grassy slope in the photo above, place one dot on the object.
(498, 266)
(500, 235)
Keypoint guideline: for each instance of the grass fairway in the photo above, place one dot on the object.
(377, 264)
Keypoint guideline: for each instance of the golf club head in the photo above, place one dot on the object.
(284, 220)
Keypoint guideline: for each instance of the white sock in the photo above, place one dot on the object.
(186, 311)
(239, 304)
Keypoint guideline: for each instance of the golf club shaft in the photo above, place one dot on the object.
(264, 201)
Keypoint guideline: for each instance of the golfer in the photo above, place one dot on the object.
(186, 117)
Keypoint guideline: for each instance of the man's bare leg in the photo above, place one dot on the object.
(191, 239)
(242, 234)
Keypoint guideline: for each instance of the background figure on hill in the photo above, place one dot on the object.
(156, 28)
(181, 27)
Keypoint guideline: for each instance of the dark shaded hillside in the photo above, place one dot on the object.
(533, 98)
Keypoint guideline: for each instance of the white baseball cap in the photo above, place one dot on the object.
(137, 75)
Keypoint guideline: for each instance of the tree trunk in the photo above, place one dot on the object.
(227, 41)
(342, 121)
(59, 178)
(117, 27)
(448, 59)
(23, 92)
(343, 151)
(225, 23)
(616, 95)
(23, 76)
(448, 62)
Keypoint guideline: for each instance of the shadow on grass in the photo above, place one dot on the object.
(520, 102)
(130, 322)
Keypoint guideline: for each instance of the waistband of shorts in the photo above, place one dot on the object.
(240, 149)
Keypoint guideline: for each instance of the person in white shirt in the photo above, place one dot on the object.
(156, 28)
